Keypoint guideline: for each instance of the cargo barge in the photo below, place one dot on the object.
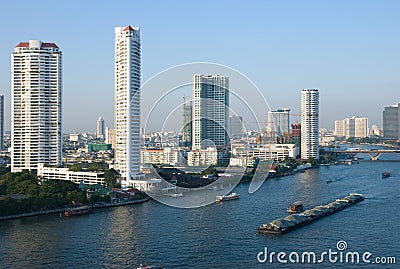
(293, 221)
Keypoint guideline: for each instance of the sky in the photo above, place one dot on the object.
(349, 50)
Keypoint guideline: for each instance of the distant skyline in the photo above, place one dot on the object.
(348, 50)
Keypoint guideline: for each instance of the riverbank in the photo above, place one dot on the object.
(58, 210)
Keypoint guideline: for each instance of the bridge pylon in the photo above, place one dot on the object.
(374, 157)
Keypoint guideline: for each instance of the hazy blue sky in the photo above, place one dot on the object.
(349, 50)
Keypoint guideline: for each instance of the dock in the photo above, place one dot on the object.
(294, 221)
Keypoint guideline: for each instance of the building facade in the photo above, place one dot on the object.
(203, 157)
(1, 122)
(391, 122)
(210, 112)
(276, 152)
(36, 89)
(354, 127)
(339, 128)
(235, 127)
(187, 123)
(160, 156)
(278, 122)
(100, 128)
(110, 137)
(127, 102)
(51, 173)
(309, 123)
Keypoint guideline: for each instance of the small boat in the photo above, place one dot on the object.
(149, 267)
(176, 195)
(295, 207)
(329, 181)
(232, 196)
(385, 174)
(77, 211)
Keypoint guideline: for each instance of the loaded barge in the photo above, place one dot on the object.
(294, 221)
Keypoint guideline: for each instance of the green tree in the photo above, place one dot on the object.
(111, 177)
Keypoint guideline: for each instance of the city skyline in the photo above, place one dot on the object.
(349, 59)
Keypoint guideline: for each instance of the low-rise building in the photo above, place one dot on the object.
(203, 157)
(54, 173)
(276, 152)
(160, 156)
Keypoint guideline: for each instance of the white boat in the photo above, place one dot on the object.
(232, 196)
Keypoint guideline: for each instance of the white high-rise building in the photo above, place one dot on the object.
(127, 102)
(352, 127)
(100, 128)
(210, 112)
(339, 128)
(36, 88)
(309, 123)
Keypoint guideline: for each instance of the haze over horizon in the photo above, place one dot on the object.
(348, 50)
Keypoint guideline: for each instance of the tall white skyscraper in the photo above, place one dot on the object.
(36, 88)
(100, 128)
(309, 123)
(210, 111)
(278, 122)
(127, 102)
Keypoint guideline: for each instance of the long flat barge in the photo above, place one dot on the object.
(293, 221)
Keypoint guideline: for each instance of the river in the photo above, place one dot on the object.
(221, 235)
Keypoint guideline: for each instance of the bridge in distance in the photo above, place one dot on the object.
(374, 154)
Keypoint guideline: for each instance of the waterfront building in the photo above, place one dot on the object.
(100, 128)
(278, 122)
(1, 122)
(36, 89)
(391, 122)
(354, 127)
(210, 112)
(53, 173)
(127, 72)
(339, 128)
(275, 152)
(309, 123)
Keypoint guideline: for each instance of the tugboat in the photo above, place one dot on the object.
(77, 211)
(385, 174)
(232, 196)
(148, 267)
(295, 207)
